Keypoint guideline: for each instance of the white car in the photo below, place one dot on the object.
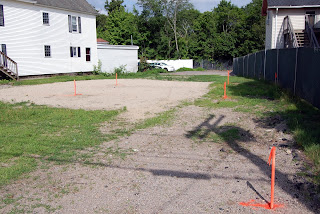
(164, 66)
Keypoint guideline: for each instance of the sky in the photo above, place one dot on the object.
(201, 5)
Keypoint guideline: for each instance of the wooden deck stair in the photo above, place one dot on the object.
(8, 67)
(302, 38)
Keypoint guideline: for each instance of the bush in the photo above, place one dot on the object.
(143, 65)
(97, 68)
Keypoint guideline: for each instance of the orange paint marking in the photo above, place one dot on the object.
(228, 76)
(225, 91)
(253, 204)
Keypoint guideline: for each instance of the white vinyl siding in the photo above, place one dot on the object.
(24, 20)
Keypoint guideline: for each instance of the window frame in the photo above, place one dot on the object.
(74, 24)
(75, 52)
(45, 20)
(47, 51)
(88, 55)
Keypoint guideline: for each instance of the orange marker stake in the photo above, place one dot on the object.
(75, 87)
(228, 76)
(225, 91)
(116, 78)
(273, 173)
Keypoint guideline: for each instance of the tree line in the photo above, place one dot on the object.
(173, 29)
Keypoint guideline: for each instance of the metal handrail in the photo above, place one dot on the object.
(289, 27)
(7, 64)
(312, 37)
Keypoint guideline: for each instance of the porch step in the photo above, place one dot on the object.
(302, 38)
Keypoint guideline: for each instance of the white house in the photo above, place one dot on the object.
(291, 23)
(116, 56)
(48, 36)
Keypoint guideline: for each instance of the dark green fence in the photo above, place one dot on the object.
(296, 69)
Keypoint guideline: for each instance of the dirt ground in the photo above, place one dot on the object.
(142, 98)
(185, 166)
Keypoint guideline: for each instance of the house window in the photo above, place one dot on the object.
(1, 16)
(75, 51)
(74, 24)
(45, 18)
(88, 54)
(47, 51)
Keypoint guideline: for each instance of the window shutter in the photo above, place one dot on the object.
(4, 48)
(71, 52)
(70, 24)
(1, 16)
(79, 24)
(79, 52)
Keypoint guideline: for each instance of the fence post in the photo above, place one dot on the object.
(248, 65)
(265, 61)
(243, 66)
(255, 61)
(295, 73)
(277, 66)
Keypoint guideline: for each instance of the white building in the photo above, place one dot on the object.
(291, 23)
(48, 36)
(117, 56)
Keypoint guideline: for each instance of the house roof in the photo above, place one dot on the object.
(290, 3)
(287, 4)
(99, 40)
(74, 5)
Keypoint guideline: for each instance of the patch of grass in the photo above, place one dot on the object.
(161, 119)
(230, 135)
(190, 69)
(267, 100)
(66, 78)
(30, 132)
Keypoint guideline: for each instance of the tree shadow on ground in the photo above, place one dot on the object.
(210, 125)
(292, 115)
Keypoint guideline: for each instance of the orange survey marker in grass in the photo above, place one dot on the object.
(271, 205)
(272, 157)
(225, 91)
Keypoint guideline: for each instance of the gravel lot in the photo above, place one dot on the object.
(185, 166)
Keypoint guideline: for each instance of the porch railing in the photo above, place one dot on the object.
(8, 66)
(288, 29)
(312, 37)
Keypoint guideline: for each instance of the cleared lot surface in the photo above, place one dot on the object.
(142, 98)
(202, 161)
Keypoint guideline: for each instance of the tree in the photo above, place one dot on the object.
(114, 5)
(171, 10)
